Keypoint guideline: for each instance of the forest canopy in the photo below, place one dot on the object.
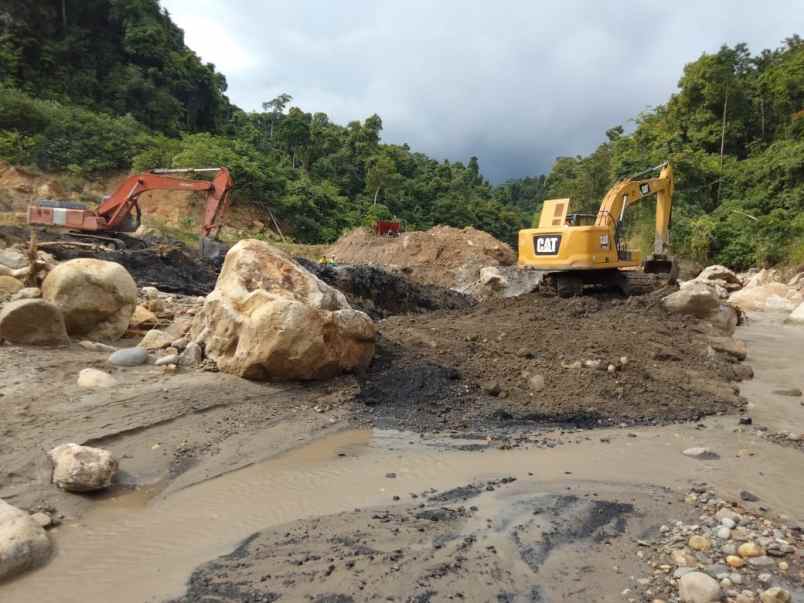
(97, 85)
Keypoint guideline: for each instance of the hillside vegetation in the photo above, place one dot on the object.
(98, 85)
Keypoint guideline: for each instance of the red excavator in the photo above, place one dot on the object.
(114, 215)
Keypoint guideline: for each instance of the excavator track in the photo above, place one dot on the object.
(632, 282)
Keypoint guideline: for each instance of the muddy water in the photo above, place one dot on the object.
(142, 547)
(776, 352)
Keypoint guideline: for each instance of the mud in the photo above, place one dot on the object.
(474, 367)
(381, 293)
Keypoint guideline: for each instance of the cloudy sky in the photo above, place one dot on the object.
(515, 82)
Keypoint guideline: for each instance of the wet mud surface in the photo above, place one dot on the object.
(487, 541)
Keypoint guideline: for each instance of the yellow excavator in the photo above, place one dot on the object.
(576, 250)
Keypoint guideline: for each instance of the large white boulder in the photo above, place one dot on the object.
(721, 276)
(796, 316)
(97, 298)
(24, 544)
(763, 277)
(696, 299)
(770, 296)
(270, 319)
(32, 322)
(82, 468)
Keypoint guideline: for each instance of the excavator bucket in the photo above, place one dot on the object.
(663, 265)
(212, 249)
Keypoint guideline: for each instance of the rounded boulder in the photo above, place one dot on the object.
(24, 545)
(32, 322)
(96, 297)
(82, 468)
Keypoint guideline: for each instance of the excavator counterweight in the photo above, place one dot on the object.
(576, 250)
(114, 214)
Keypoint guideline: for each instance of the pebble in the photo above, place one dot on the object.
(761, 561)
(775, 595)
(729, 549)
(129, 357)
(683, 558)
(697, 587)
(699, 543)
(735, 561)
(592, 364)
(92, 378)
(42, 519)
(170, 359)
(750, 549)
(784, 566)
(748, 496)
(699, 452)
(726, 513)
(728, 522)
(95, 346)
(724, 533)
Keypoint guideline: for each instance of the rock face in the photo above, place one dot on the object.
(32, 322)
(23, 543)
(81, 468)
(697, 587)
(269, 319)
(97, 298)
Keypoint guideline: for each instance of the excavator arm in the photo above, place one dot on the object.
(114, 212)
(631, 191)
(118, 206)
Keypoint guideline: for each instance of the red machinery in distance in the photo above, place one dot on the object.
(115, 212)
(389, 228)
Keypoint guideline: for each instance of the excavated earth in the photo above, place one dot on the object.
(470, 367)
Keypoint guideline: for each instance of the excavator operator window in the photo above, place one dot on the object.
(581, 219)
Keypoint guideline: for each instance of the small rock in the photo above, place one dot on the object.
(623, 360)
(592, 364)
(728, 522)
(492, 388)
(390, 475)
(91, 378)
(761, 561)
(726, 513)
(42, 519)
(571, 365)
(724, 533)
(744, 420)
(699, 452)
(536, 383)
(735, 561)
(775, 595)
(191, 356)
(611, 368)
(682, 558)
(96, 346)
(169, 359)
(793, 392)
(784, 566)
(155, 340)
(750, 549)
(699, 543)
(129, 357)
(697, 587)
(82, 468)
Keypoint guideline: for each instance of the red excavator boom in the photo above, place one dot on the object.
(114, 213)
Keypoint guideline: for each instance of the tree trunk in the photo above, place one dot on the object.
(64, 15)
(377, 192)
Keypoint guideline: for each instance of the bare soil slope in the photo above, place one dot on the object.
(442, 256)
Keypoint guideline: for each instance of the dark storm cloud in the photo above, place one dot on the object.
(515, 83)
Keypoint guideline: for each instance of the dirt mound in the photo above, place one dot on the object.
(380, 293)
(544, 359)
(443, 256)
